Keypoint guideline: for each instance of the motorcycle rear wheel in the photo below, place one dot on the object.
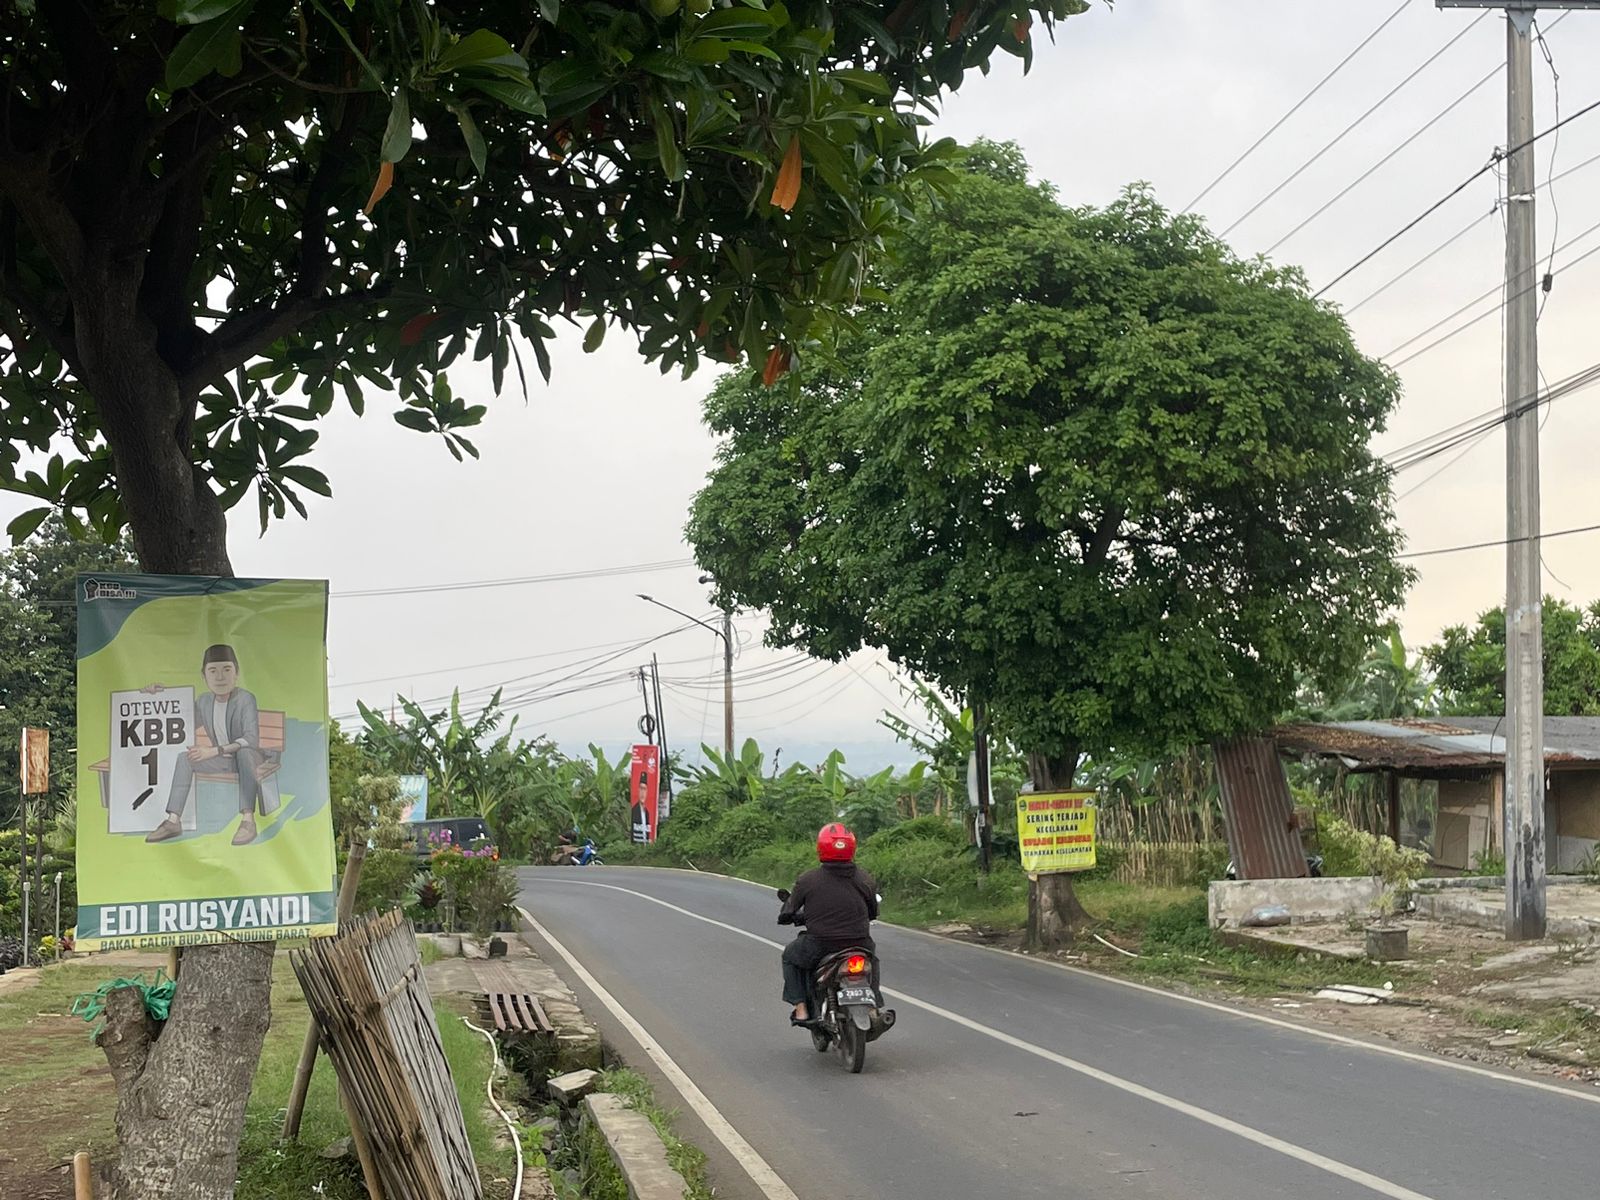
(852, 1046)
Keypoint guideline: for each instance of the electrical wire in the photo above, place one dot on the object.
(1489, 312)
(1494, 159)
(1458, 235)
(561, 577)
(1387, 158)
(1500, 542)
(1555, 148)
(1350, 128)
(1278, 124)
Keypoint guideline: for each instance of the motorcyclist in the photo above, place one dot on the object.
(837, 903)
(567, 843)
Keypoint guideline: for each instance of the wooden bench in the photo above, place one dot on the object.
(270, 727)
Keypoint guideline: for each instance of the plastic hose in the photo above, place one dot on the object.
(516, 1138)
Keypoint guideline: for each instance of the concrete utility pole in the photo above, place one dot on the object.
(727, 683)
(1523, 837)
(726, 634)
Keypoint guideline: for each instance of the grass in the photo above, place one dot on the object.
(52, 1065)
(271, 1171)
(56, 1089)
(599, 1178)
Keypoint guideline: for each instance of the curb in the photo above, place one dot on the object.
(636, 1149)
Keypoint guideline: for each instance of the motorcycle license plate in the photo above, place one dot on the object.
(855, 995)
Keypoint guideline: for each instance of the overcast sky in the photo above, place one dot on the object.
(597, 470)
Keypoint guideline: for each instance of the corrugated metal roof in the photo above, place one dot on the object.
(1259, 810)
(1441, 743)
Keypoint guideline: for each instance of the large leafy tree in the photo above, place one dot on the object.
(219, 216)
(1470, 663)
(1085, 467)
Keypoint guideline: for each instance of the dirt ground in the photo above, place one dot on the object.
(1470, 994)
(56, 1094)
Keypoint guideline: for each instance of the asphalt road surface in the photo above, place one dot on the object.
(1006, 1077)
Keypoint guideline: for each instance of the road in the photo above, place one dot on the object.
(1007, 1077)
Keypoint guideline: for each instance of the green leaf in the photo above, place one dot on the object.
(24, 525)
(213, 46)
(523, 97)
(474, 139)
(478, 48)
(415, 418)
(866, 81)
(596, 335)
(733, 23)
(667, 141)
(755, 48)
(308, 477)
(550, 10)
(196, 12)
(397, 134)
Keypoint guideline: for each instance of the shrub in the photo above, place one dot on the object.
(385, 882)
(744, 829)
(918, 829)
(491, 900)
(920, 866)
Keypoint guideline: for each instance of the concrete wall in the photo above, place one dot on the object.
(1230, 902)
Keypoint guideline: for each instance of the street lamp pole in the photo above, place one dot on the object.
(726, 634)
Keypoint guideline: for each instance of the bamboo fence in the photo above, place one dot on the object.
(367, 994)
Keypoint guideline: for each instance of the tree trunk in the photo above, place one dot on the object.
(181, 1085)
(1054, 913)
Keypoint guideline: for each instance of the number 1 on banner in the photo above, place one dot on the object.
(150, 733)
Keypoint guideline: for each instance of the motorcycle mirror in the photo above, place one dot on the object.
(783, 894)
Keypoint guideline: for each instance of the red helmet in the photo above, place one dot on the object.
(835, 843)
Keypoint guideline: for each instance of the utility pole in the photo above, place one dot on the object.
(726, 634)
(1523, 838)
(1524, 806)
(727, 684)
(665, 809)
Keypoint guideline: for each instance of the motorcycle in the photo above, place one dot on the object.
(585, 855)
(846, 1009)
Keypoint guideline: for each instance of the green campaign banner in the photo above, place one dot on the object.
(202, 787)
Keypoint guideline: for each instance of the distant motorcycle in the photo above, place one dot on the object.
(585, 855)
(843, 1001)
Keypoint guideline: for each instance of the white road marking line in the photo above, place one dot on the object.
(1245, 1014)
(1332, 1166)
(760, 1172)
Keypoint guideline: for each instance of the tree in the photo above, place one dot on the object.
(1085, 466)
(207, 203)
(1470, 664)
(38, 662)
(1388, 684)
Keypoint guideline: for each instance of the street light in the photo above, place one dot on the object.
(726, 634)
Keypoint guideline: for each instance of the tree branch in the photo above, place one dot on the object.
(247, 334)
(1099, 545)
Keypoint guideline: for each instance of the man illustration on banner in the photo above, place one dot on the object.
(229, 716)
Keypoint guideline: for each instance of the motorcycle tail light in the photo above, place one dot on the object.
(856, 964)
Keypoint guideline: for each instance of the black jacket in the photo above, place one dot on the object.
(836, 902)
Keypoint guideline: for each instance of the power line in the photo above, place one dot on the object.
(562, 577)
(1278, 124)
(1494, 159)
(1350, 128)
(1375, 167)
(1461, 233)
(1500, 542)
(1489, 312)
